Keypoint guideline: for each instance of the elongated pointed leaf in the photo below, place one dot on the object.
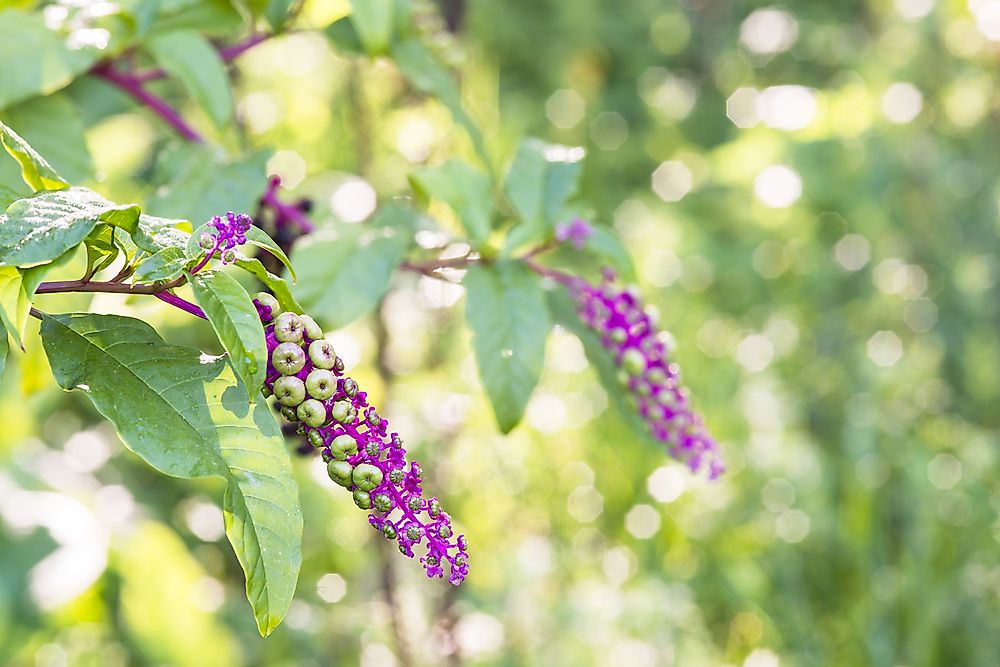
(163, 265)
(41, 228)
(236, 323)
(189, 416)
(191, 59)
(259, 238)
(373, 20)
(54, 128)
(277, 285)
(464, 189)
(506, 310)
(426, 73)
(37, 59)
(153, 234)
(4, 347)
(345, 274)
(36, 172)
(17, 288)
(540, 181)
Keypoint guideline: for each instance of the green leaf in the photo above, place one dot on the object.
(466, 191)
(154, 234)
(278, 286)
(609, 247)
(373, 20)
(428, 75)
(345, 36)
(213, 17)
(37, 60)
(190, 58)
(345, 274)
(53, 127)
(36, 172)
(101, 248)
(189, 416)
(162, 265)
(8, 197)
(41, 228)
(236, 322)
(540, 181)
(509, 319)
(17, 289)
(259, 238)
(203, 184)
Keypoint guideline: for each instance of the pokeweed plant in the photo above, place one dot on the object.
(188, 414)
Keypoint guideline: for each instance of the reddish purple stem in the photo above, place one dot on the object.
(284, 211)
(133, 87)
(178, 302)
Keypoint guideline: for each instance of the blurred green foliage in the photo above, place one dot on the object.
(825, 255)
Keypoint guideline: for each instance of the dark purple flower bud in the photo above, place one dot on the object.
(647, 373)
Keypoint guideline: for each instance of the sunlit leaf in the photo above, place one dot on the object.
(509, 318)
(189, 416)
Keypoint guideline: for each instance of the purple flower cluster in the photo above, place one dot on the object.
(642, 354)
(576, 232)
(230, 232)
(306, 377)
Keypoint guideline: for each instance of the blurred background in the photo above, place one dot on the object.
(810, 194)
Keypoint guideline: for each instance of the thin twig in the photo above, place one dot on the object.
(61, 286)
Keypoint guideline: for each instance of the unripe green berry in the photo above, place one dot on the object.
(389, 531)
(459, 560)
(229, 256)
(265, 299)
(633, 361)
(402, 549)
(315, 439)
(338, 365)
(434, 508)
(373, 418)
(667, 398)
(288, 328)
(373, 448)
(342, 412)
(288, 412)
(312, 412)
(288, 358)
(383, 503)
(622, 377)
(321, 384)
(300, 428)
(619, 335)
(396, 476)
(350, 387)
(432, 560)
(643, 389)
(340, 472)
(312, 330)
(414, 504)
(343, 446)
(656, 376)
(362, 499)
(444, 531)
(206, 241)
(367, 476)
(290, 390)
(321, 354)
(413, 533)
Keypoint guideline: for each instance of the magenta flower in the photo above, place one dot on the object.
(629, 334)
(230, 232)
(576, 232)
(307, 378)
